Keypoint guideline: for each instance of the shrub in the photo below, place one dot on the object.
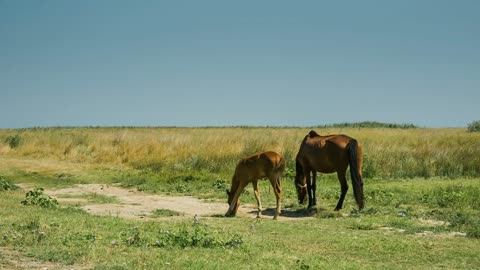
(452, 196)
(474, 126)
(473, 232)
(193, 235)
(6, 185)
(13, 140)
(37, 197)
(220, 184)
(196, 235)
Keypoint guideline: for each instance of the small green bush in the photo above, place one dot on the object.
(37, 197)
(473, 232)
(196, 235)
(452, 196)
(474, 126)
(13, 140)
(6, 185)
(220, 184)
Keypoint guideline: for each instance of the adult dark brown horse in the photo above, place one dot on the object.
(329, 154)
(249, 170)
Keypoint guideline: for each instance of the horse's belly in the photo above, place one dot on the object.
(325, 167)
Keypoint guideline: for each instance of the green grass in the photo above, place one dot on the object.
(71, 236)
(165, 213)
(421, 187)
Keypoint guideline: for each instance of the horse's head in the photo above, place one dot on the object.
(301, 186)
(300, 182)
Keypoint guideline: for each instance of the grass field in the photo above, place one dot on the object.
(422, 189)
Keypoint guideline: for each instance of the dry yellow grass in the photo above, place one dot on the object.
(388, 152)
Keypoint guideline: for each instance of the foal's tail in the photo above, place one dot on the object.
(355, 161)
(280, 166)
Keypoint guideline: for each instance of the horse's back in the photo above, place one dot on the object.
(261, 164)
(325, 154)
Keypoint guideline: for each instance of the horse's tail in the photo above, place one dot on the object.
(355, 161)
(281, 165)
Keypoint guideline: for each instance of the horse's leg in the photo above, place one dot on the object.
(257, 196)
(277, 188)
(344, 187)
(309, 189)
(314, 187)
(232, 210)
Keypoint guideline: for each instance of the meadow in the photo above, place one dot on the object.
(422, 194)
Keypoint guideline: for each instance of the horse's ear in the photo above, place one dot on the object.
(313, 133)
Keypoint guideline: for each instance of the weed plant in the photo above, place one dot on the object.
(6, 185)
(37, 197)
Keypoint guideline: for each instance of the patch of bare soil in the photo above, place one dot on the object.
(138, 205)
(429, 222)
(432, 222)
(440, 235)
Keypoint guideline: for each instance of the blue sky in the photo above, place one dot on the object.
(215, 63)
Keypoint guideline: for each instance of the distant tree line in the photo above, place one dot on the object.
(368, 124)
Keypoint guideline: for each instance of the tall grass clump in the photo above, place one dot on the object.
(13, 140)
(455, 196)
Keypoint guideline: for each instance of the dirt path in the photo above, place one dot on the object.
(137, 205)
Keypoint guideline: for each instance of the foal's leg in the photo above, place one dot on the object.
(277, 188)
(257, 196)
(232, 210)
(344, 187)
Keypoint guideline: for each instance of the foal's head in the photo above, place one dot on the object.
(230, 199)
